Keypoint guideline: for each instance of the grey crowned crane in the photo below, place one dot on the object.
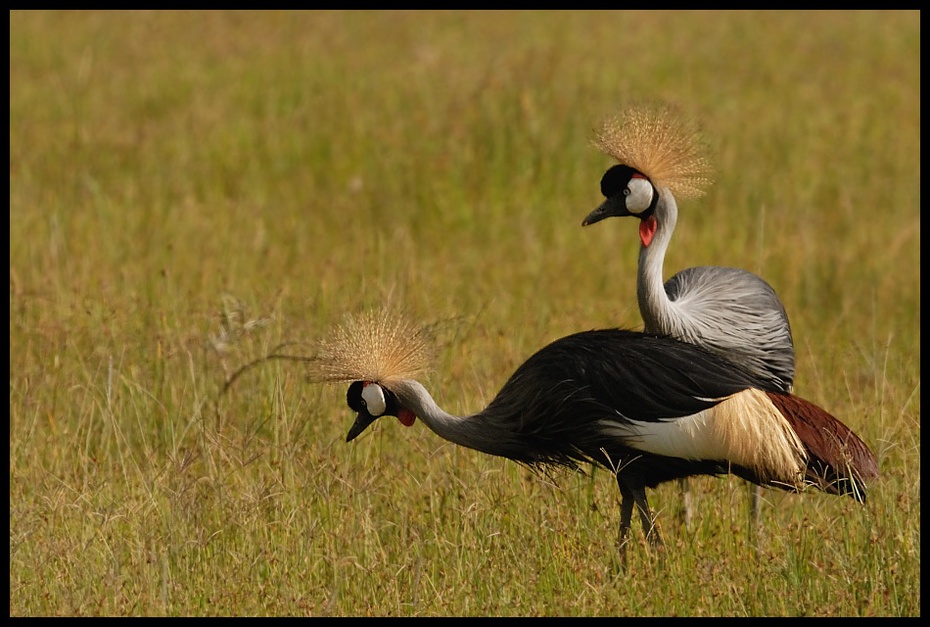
(728, 311)
(649, 408)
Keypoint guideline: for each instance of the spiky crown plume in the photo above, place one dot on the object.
(381, 345)
(660, 142)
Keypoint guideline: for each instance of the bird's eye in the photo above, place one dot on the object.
(638, 194)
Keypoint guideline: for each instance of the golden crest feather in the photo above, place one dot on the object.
(662, 144)
(377, 345)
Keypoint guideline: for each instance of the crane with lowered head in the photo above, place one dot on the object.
(647, 407)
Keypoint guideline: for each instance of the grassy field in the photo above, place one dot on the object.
(190, 190)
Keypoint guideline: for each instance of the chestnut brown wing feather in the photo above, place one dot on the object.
(840, 462)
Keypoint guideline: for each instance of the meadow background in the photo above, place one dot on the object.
(190, 190)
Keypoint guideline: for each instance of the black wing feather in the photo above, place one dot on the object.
(561, 392)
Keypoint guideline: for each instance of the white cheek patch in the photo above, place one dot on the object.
(373, 396)
(640, 197)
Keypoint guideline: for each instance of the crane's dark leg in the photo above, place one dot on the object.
(650, 529)
(627, 501)
(626, 513)
(632, 494)
(755, 509)
(685, 513)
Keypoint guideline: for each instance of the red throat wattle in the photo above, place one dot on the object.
(647, 229)
(406, 417)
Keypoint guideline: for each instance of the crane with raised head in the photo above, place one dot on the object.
(729, 311)
(647, 407)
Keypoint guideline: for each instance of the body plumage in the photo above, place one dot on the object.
(647, 407)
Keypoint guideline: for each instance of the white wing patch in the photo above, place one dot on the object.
(745, 429)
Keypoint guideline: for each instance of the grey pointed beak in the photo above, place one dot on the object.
(613, 206)
(361, 423)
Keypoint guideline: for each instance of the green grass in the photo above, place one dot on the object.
(290, 168)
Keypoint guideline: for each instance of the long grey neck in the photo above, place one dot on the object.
(472, 431)
(654, 304)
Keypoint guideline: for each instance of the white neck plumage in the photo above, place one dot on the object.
(474, 431)
(654, 303)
